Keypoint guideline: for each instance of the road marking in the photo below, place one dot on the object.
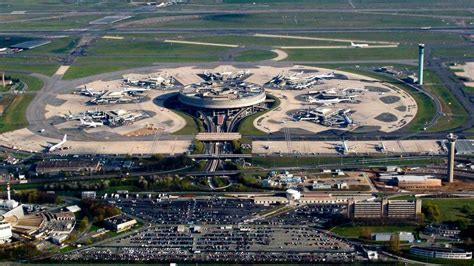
(319, 39)
(203, 43)
(281, 55)
(61, 70)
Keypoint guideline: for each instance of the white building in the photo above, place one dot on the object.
(5, 232)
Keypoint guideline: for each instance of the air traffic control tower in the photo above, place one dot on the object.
(421, 60)
(451, 152)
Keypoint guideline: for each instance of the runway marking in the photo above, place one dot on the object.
(338, 47)
(61, 70)
(203, 43)
(112, 37)
(320, 39)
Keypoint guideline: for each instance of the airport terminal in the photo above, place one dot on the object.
(134, 106)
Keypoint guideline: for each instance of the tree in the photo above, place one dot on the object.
(432, 212)
(394, 245)
(84, 223)
(366, 232)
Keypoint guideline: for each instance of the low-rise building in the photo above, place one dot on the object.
(119, 223)
(441, 253)
(75, 166)
(88, 195)
(403, 236)
(416, 182)
(392, 209)
(283, 179)
(442, 230)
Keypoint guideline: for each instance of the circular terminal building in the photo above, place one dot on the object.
(222, 95)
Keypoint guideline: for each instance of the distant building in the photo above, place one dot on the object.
(367, 209)
(76, 166)
(393, 209)
(403, 236)
(88, 195)
(441, 253)
(73, 208)
(119, 223)
(59, 239)
(465, 147)
(283, 179)
(442, 230)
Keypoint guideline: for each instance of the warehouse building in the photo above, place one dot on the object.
(417, 182)
(119, 223)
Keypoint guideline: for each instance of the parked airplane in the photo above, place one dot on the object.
(381, 147)
(135, 90)
(91, 124)
(343, 148)
(88, 92)
(359, 45)
(58, 145)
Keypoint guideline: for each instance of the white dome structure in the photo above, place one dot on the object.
(293, 194)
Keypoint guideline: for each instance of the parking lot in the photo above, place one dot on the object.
(223, 243)
(192, 211)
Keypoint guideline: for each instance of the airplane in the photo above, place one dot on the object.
(58, 145)
(91, 124)
(311, 99)
(359, 45)
(88, 92)
(323, 76)
(343, 148)
(381, 147)
(135, 90)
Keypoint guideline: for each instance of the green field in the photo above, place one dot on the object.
(193, 125)
(254, 55)
(451, 208)
(341, 55)
(455, 114)
(303, 20)
(45, 69)
(85, 70)
(14, 115)
(270, 162)
(34, 84)
(246, 125)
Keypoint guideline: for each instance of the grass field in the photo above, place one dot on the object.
(341, 55)
(254, 55)
(246, 125)
(451, 208)
(303, 20)
(193, 125)
(34, 84)
(45, 69)
(270, 162)
(14, 116)
(455, 114)
(85, 70)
